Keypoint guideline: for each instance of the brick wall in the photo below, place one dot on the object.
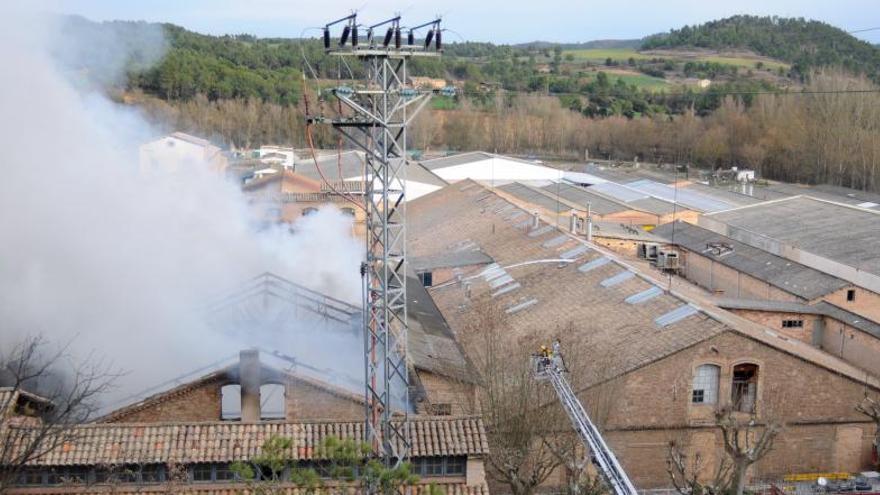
(774, 320)
(866, 303)
(652, 406)
(305, 402)
(444, 390)
(197, 404)
(836, 337)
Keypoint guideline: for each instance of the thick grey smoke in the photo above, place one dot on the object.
(95, 255)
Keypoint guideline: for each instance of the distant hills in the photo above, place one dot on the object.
(804, 44)
(588, 45)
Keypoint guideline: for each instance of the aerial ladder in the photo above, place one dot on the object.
(548, 366)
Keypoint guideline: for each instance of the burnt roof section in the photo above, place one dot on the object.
(449, 260)
(432, 345)
(794, 278)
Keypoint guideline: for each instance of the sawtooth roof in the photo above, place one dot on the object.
(625, 318)
(583, 196)
(794, 278)
(548, 297)
(113, 443)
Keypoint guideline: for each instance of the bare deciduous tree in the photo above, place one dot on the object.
(745, 441)
(870, 407)
(62, 393)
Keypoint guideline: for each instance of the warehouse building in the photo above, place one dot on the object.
(837, 239)
(658, 363)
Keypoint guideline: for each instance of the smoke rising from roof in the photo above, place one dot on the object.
(96, 255)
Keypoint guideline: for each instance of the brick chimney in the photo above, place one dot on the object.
(249, 378)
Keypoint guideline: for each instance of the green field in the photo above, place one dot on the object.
(624, 54)
(602, 54)
(742, 61)
(640, 81)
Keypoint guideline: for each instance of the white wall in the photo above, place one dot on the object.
(169, 154)
(413, 189)
(498, 169)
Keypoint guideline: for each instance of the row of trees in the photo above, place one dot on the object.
(819, 137)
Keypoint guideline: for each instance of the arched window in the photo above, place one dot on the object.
(309, 211)
(744, 392)
(705, 388)
(272, 401)
(230, 402)
(348, 211)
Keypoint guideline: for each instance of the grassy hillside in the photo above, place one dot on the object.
(803, 43)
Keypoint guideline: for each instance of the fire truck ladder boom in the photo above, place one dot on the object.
(602, 456)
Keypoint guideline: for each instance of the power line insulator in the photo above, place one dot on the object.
(438, 44)
(354, 36)
(326, 38)
(345, 32)
(388, 36)
(397, 38)
(411, 38)
(429, 38)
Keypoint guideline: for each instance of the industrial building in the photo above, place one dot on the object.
(659, 362)
(187, 432)
(837, 239)
(491, 169)
(172, 152)
(282, 193)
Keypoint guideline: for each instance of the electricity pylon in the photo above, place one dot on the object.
(377, 111)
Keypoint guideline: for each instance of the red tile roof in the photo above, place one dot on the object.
(114, 443)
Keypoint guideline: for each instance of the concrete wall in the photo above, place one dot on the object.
(653, 407)
(725, 281)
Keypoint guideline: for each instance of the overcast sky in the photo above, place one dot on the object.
(511, 21)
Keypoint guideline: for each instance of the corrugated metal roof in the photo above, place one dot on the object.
(644, 295)
(541, 231)
(507, 288)
(691, 199)
(676, 315)
(592, 265)
(620, 192)
(575, 252)
(616, 279)
(787, 275)
(556, 241)
(521, 306)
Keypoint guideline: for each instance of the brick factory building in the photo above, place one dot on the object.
(660, 363)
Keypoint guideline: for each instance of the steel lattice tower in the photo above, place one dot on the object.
(376, 114)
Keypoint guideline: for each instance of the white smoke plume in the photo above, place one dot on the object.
(94, 255)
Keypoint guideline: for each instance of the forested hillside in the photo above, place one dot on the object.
(618, 103)
(803, 43)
